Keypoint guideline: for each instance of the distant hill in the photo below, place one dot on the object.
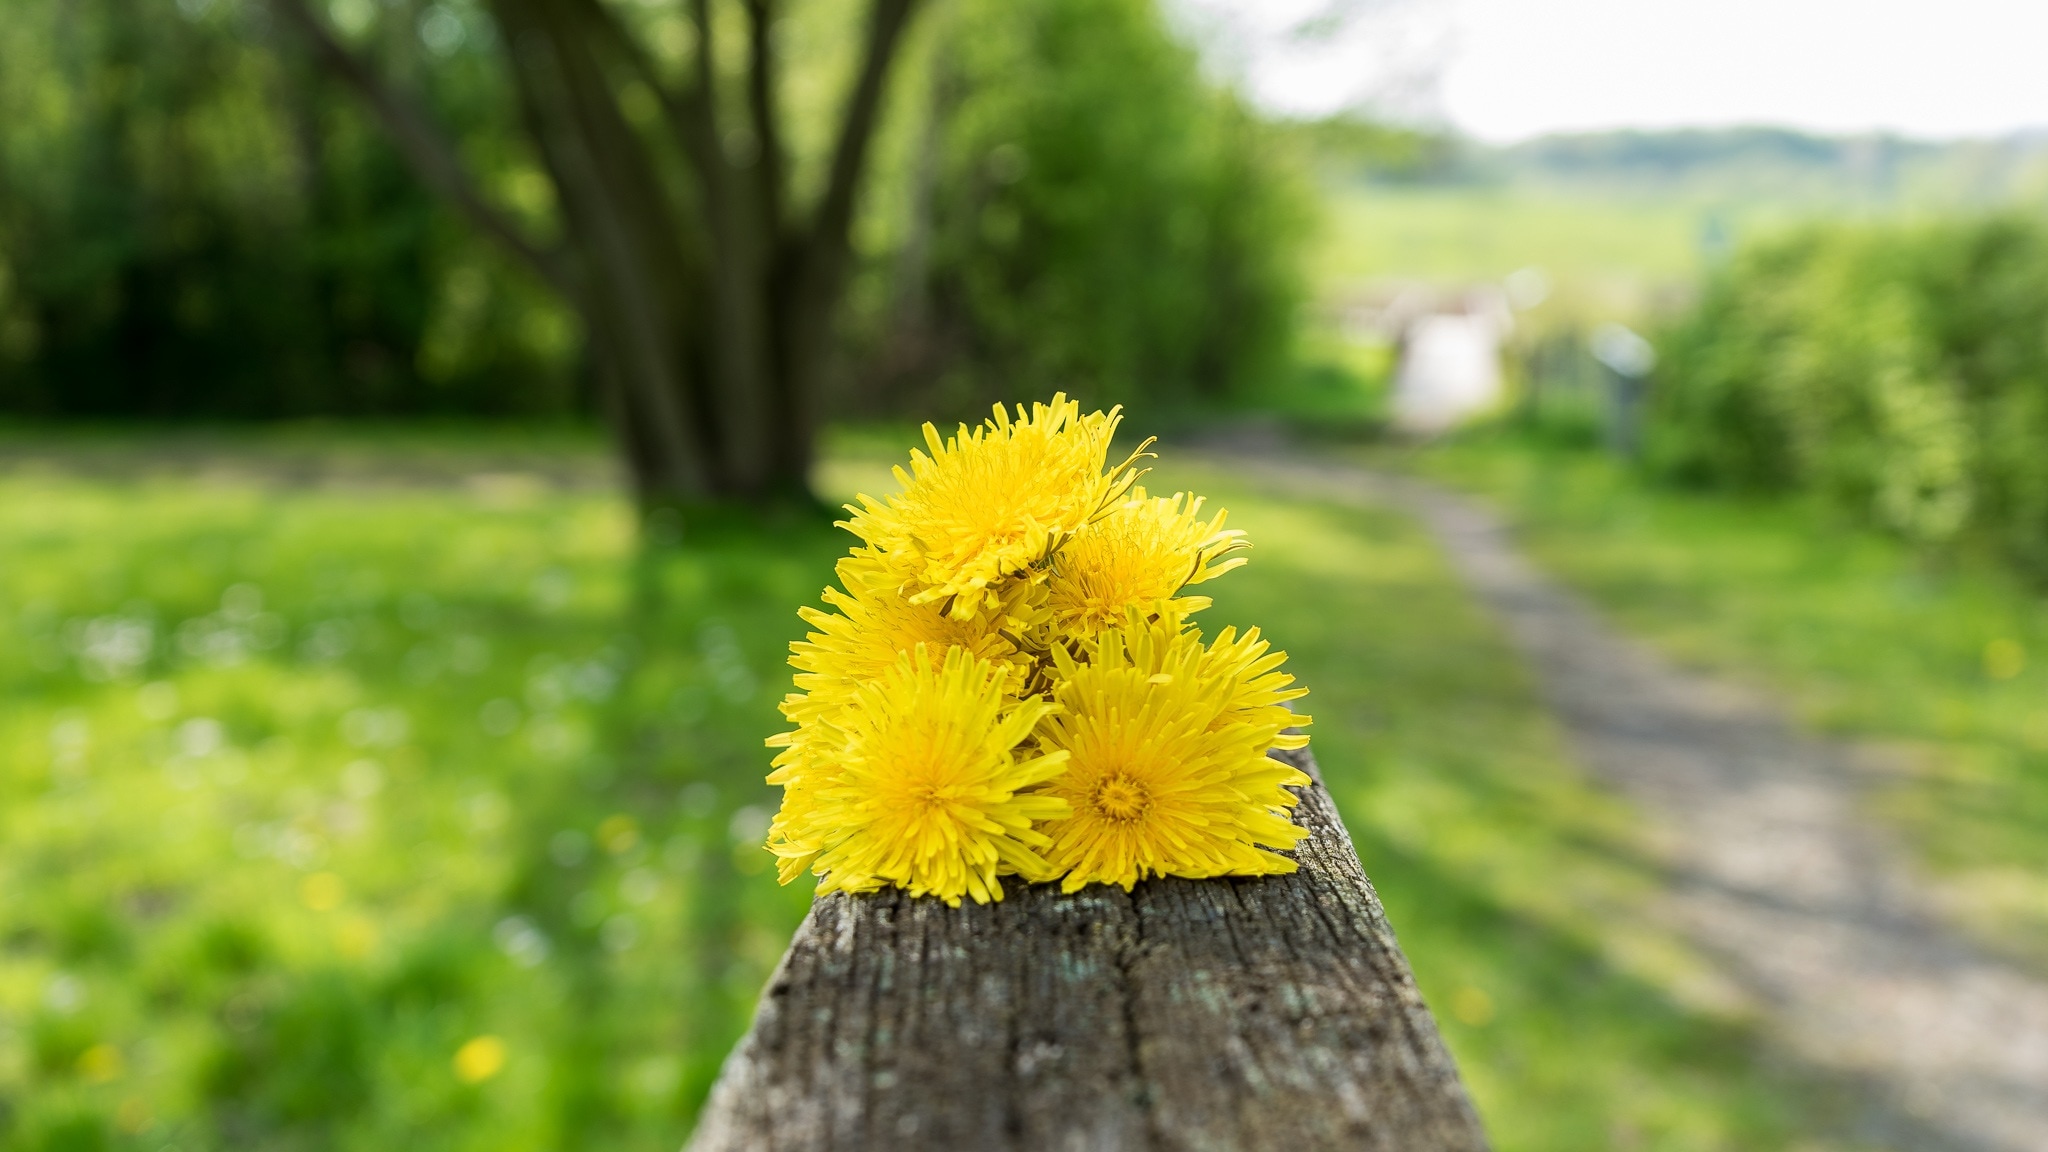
(1686, 152)
(1780, 164)
(1747, 165)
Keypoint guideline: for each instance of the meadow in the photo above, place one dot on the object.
(1605, 253)
(378, 813)
(364, 791)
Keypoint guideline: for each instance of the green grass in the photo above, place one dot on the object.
(303, 789)
(1608, 254)
(1939, 662)
(1605, 250)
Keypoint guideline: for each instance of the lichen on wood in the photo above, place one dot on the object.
(1245, 1013)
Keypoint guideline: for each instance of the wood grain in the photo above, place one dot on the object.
(1261, 1013)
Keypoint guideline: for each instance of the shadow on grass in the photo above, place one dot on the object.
(683, 768)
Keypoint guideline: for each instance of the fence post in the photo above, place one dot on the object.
(1626, 359)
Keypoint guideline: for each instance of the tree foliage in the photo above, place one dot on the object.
(192, 224)
(1900, 371)
(1097, 216)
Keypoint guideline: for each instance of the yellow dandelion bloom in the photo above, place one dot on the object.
(1167, 772)
(1141, 554)
(1015, 607)
(1245, 669)
(869, 633)
(795, 835)
(872, 569)
(1257, 691)
(919, 783)
(1004, 682)
(480, 1059)
(873, 629)
(994, 502)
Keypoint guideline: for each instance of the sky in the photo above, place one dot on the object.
(1505, 70)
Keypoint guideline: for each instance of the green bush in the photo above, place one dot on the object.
(1098, 217)
(195, 222)
(1899, 371)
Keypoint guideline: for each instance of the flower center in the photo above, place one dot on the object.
(1121, 798)
(933, 797)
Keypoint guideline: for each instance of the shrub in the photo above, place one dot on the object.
(1096, 217)
(1901, 372)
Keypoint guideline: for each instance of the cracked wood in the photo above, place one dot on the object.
(1258, 1013)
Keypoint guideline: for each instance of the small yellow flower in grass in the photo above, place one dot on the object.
(994, 502)
(1472, 1006)
(133, 1116)
(1142, 553)
(2004, 659)
(479, 1059)
(355, 937)
(921, 784)
(101, 1063)
(618, 833)
(1168, 773)
(322, 891)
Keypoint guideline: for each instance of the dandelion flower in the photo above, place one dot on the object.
(797, 835)
(1256, 690)
(922, 784)
(1140, 554)
(874, 628)
(1004, 682)
(1167, 772)
(994, 502)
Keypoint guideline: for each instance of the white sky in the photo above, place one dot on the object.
(1509, 69)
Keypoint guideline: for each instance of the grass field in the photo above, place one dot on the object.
(424, 814)
(1454, 233)
(1940, 662)
(308, 791)
(1609, 255)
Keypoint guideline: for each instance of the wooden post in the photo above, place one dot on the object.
(1236, 1014)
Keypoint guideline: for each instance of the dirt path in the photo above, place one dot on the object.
(1776, 872)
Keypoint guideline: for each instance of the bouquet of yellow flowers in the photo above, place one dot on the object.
(1009, 683)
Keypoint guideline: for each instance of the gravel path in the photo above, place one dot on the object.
(1776, 872)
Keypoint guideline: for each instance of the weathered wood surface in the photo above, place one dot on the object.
(1272, 1013)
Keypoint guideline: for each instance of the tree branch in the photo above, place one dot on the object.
(886, 21)
(714, 167)
(432, 157)
(761, 104)
(824, 244)
(704, 89)
(685, 118)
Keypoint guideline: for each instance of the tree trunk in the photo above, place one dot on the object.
(1240, 1014)
(706, 307)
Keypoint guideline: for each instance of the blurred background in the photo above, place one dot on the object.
(417, 420)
